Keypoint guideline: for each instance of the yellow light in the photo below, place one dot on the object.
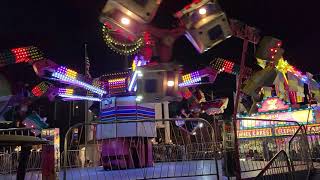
(283, 66)
(186, 77)
(170, 83)
(69, 91)
(117, 80)
(202, 11)
(134, 66)
(72, 74)
(125, 21)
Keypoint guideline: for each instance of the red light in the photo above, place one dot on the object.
(275, 50)
(187, 6)
(279, 44)
(272, 57)
(271, 49)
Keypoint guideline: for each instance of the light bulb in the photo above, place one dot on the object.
(202, 11)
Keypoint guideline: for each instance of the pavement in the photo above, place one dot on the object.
(189, 170)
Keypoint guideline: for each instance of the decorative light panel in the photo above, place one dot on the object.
(20, 55)
(71, 77)
(40, 89)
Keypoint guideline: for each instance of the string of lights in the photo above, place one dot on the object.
(119, 47)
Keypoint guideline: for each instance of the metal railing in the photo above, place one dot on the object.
(9, 156)
(278, 167)
(299, 153)
(136, 149)
(314, 144)
(260, 139)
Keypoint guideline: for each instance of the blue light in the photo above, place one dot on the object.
(78, 83)
(74, 97)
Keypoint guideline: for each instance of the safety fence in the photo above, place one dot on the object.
(314, 143)
(141, 149)
(260, 140)
(171, 148)
(278, 167)
(10, 153)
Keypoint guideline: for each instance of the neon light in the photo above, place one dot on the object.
(299, 116)
(137, 62)
(252, 133)
(63, 91)
(278, 131)
(273, 104)
(74, 97)
(70, 76)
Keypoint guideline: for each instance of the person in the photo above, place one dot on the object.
(293, 155)
(266, 151)
(316, 152)
(250, 154)
(256, 155)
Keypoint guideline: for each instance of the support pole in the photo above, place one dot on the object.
(239, 83)
(166, 123)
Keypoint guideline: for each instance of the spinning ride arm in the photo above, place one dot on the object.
(47, 69)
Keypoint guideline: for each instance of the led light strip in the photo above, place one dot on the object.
(67, 79)
(191, 82)
(74, 97)
(134, 77)
(65, 91)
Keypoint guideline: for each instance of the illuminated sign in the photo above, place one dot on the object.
(273, 104)
(278, 131)
(290, 130)
(282, 131)
(299, 116)
(265, 132)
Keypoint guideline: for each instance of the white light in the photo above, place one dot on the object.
(139, 98)
(194, 133)
(200, 125)
(125, 21)
(79, 97)
(133, 80)
(77, 107)
(170, 83)
(202, 11)
(79, 83)
(139, 73)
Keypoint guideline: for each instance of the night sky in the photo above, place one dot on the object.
(61, 27)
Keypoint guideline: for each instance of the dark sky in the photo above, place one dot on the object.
(61, 27)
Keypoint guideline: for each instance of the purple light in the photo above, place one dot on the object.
(74, 97)
(70, 77)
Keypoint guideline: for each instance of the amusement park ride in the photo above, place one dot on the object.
(154, 79)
